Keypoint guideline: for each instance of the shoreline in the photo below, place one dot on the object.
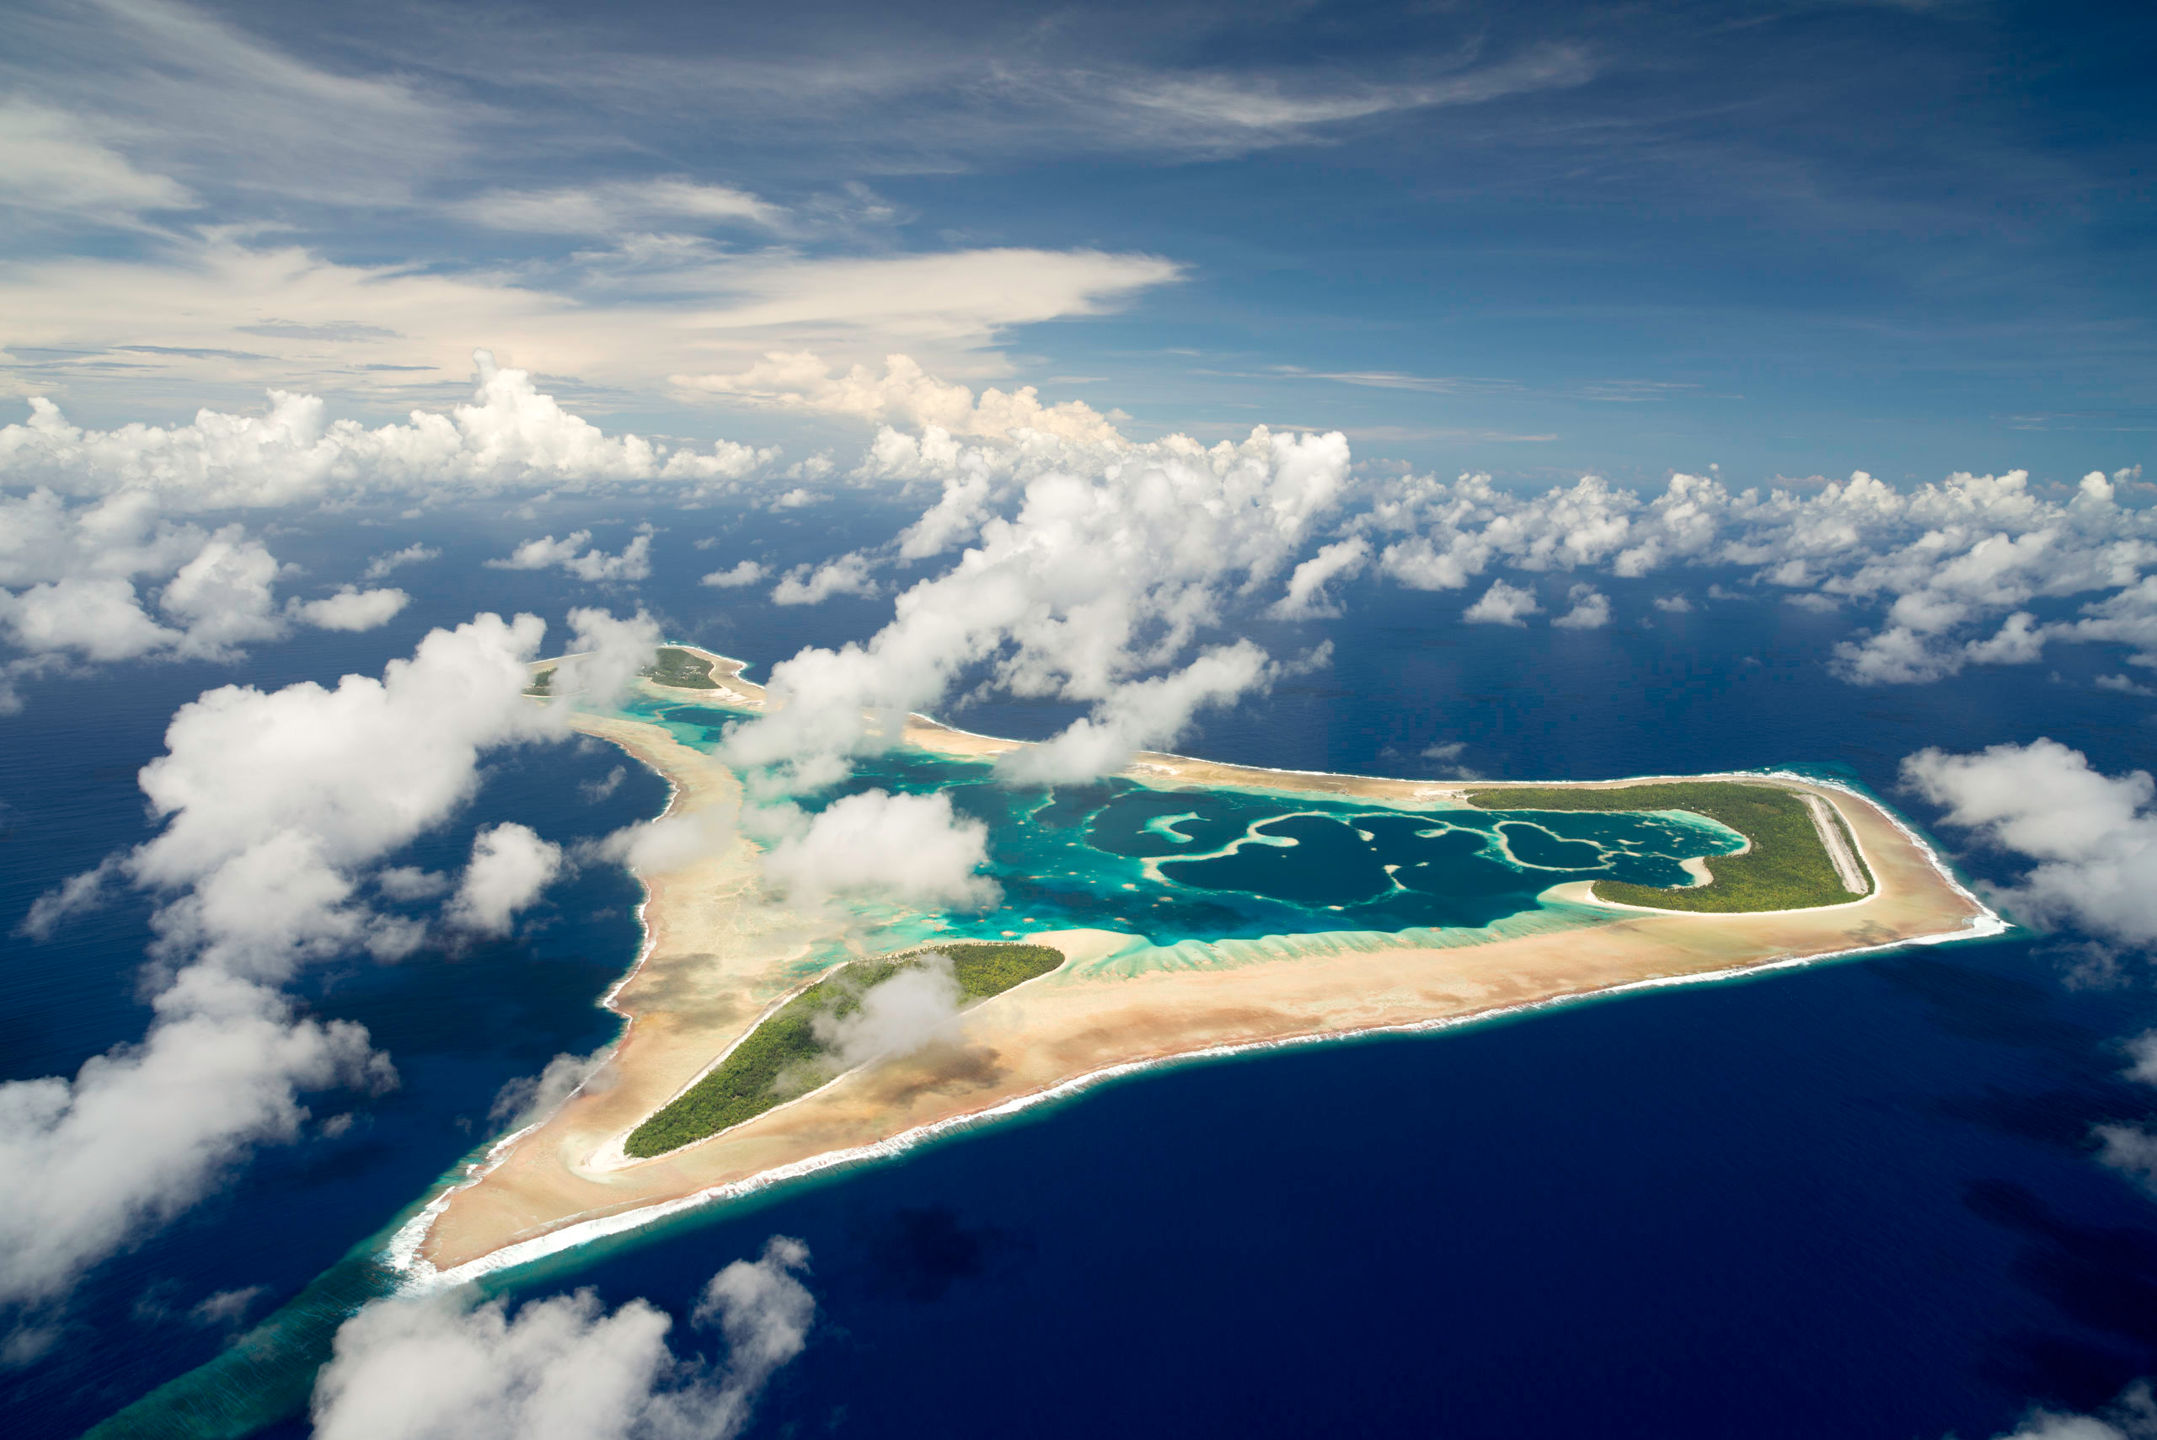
(572, 1236)
(542, 1190)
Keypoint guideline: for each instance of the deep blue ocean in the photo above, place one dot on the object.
(1858, 1200)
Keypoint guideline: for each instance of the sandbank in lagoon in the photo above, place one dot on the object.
(719, 954)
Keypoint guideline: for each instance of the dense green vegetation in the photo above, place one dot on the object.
(542, 683)
(1787, 867)
(782, 1058)
(680, 670)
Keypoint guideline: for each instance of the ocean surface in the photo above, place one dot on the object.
(1856, 1200)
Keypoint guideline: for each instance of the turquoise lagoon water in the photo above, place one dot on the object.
(1185, 868)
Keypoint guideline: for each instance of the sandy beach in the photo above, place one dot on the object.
(718, 951)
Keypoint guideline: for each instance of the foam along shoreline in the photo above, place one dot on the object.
(717, 954)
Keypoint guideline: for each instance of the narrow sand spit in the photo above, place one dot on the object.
(717, 953)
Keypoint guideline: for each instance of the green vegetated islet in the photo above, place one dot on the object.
(678, 669)
(542, 683)
(1787, 867)
(782, 1058)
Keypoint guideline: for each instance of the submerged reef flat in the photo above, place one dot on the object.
(1196, 908)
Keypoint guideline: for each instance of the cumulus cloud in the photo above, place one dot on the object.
(735, 577)
(1084, 570)
(350, 609)
(913, 1008)
(140, 1134)
(115, 579)
(1948, 569)
(404, 1369)
(607, 653)
(510, 436)
(273, 807)
(2132, 1417)
(1591, 609)
(1307, 598)
(531, 1098)
(381, 567)
(273, 802)
(575, 553)
(672, 841)
(909, 846)
(510, 866)
(2142, 1049)
(2091, 838)
(813, 585)
(906, 395)
(1503, 604)
(1142, 714)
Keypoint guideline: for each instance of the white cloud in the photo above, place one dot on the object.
(223, 596)
(908, 846)
(1229, 113)
(1951, 566)
(510, 866)
(670, 842)
(2092, 838)
(563, 1368)
(2142, 1050)
(225, 1307)
(271, 802)
(409, 882)
(1503, 604)
(607, 654)
(144, 1132)
(2132, 1417)
(273, 807)
(2130, 1151)
(1087, 569)
(350, 609)
(743, 573)
(813, 585)
(618, 207)
(913, 1008)
(1142, 714)
(575, 553)
(100, 619)
(509, 436)
(1591, 609)
(113, 579)
(643, 315)
(1307, 598)
(534, 1097)
(906, 395)
(382, 566)
(51, 165)
(72, 573)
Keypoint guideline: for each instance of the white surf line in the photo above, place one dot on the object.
(1838, 849)
(404, 1253)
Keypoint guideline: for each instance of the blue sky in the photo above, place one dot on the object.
(1791, 239)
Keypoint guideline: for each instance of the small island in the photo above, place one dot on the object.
(785, 1057)
(1797, 852)
(726, 1077)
